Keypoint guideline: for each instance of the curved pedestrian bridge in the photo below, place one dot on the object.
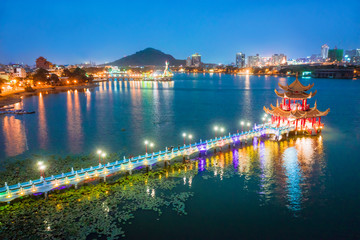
(43, 185)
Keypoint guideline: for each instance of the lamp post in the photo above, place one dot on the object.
(152, 147)
(41, 167)
(146, 143)
(42, 170)
(222, 131)
(216, 128)
(99, 153)
(184, 136)
(242, 126)
(103, 156)
(190, 137)
(248, 124)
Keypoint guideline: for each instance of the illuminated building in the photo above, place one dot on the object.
(294, 110)
(188, 62)
(324, 51)
(254, 61)
(336, 55)
(352, 56)
(196, 60)
(240, 60)
(278, 59)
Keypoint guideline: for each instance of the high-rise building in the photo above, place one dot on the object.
(349, 55)
(188, 62)
(240, 60)
(324, 51)
(254, 61)
(196, 60)
(278, 59)
(336, 55)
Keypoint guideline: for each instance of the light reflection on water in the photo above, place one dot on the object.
(282, 170)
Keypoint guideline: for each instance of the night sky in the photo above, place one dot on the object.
(77, 31)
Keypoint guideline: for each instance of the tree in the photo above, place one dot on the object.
(41, 75)
(2, 81)
(54, 79)
(66, 73)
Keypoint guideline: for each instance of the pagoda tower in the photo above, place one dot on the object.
(294, 109)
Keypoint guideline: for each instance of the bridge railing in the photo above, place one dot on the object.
(8, 193)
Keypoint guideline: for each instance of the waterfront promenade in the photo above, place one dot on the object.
(74, 177)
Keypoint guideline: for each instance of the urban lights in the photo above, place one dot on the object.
(152, 147)
(248, 124)
(242, 126)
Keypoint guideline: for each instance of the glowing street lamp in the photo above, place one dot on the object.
(99, 153)
(152, 147)
(184, 136)
(248, 124)
(41, 167)
(242, 126)
(216, 128)
(190, 137)
(103, 155)
(146, 143)
(42, 170)
(222, 131)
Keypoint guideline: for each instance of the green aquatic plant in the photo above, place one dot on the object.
(100, 209)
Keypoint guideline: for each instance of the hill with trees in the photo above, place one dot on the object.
(148, 56)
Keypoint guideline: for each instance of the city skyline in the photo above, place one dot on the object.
(113, 31)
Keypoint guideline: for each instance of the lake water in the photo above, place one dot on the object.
(304, 187)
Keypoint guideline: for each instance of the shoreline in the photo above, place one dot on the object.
(13, 98)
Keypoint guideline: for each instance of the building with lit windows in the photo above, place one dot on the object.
(240, 60)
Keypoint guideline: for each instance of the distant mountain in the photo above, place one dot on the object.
(148, 56)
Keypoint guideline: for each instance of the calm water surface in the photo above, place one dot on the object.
(304, 187)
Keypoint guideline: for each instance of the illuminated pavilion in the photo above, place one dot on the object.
(294, 109)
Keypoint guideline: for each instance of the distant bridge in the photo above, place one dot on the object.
(43, 185)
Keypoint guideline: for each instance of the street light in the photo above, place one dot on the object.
(222, 131)
(99, 153)
(146, 143)
(41, 167)
(152, 147)
(216, 128)
(248, 124)
(242, 126)
(103, 156)
(42, 170)
(190, 137)
(184, 136)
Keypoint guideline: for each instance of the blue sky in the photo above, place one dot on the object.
(79, 31)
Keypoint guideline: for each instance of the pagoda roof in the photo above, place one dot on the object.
(296, 95)
(297, 114)
(296, 86)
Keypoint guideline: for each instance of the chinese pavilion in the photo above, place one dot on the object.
(294, 109)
